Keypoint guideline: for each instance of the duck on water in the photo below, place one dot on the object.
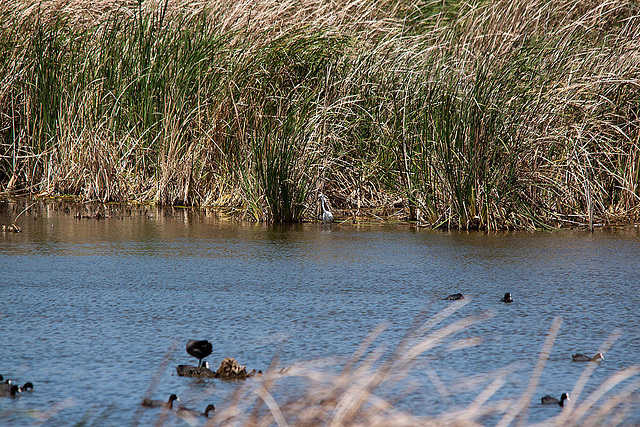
(455, 297)
(548, 400)
(9, 390)
(507, 298)
(582, 358)
(190, 413)
(159, 403)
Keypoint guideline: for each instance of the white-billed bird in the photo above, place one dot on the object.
(199, 349)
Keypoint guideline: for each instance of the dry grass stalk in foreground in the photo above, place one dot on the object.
(353, 396)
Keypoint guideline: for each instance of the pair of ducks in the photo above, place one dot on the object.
(199, 350)
(7, 388)
(548, 400)
(180, 411)
(459, 296)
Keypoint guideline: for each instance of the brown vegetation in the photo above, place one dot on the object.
(489, 114)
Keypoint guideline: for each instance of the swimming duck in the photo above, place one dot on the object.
(5, 386)
(186, 412)
(199, 349)
(455, 297)
(507, 298)
(582, 358)
(548, 400)
(159, 403)
(9, 390)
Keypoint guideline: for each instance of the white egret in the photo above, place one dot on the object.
(327, 216)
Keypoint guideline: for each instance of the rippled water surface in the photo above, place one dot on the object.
(91, 309)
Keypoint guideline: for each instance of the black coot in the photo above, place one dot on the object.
(507, 298)
(199, 349)
(186, 412)
(159, 403)
(548, 400)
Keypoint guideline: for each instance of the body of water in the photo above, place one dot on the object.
(92, 310)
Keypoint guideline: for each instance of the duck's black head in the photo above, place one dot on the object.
(565, 396)
(14, 390)
(209, 408)
(173, 397)
(27, 386)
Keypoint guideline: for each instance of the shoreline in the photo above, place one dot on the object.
(76, 207)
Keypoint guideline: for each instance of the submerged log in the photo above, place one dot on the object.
(229, 369)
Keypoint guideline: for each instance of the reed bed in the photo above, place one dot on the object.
(484, 114)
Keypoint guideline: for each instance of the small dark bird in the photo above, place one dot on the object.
(507, 298)
(199, 349)
(5, 386)
(9, 390)
(186, 412)
(582, 358)
(548, 400)
(455, 297)
(159, 403)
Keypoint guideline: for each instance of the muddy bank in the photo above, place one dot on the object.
(19, 211)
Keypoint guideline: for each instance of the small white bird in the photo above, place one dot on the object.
(327, 216)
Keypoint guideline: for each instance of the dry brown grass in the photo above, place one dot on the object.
(358, 393)
(495, 114)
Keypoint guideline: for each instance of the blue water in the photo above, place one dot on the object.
(96, 313)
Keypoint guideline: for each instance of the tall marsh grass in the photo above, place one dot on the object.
(488, 114)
